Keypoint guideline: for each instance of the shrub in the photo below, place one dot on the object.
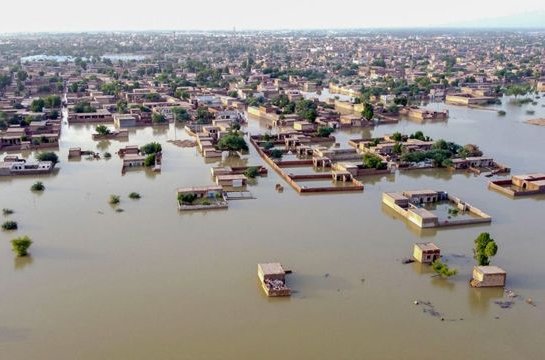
(276, 154)
(134, 196)
(149, 160)
(325, 131)
(114, 200)
(20, 245)
(252, 172)
(9, 225)
(501, 112)
(48, 156)
(37, 186)
(107, 155)
(151, 148)
(187, 199)
(442, 269)
(7, 212)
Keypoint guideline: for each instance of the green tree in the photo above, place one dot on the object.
(37, 105)
(232, 142)
(122, 107)
(38, 186)
(102, 130)
(181, 114)
(325, 131)
(151, 148)
(157, 118)
(306, 109)
(114, 199)
(187, 198)
(485, 248)
(48, 156)
(372, 161)
(21, 245)
(252, 172)
(442, 269)
(368, 111)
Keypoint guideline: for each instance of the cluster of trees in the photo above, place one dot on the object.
(50, 102)
(203, 116)
(84, 107)
(181, 114)
(150, 150)
(48, 156)
(372, 161)
(187, 199)
(158, 118)
(233, 141)
(325, 131)
(307, 109)
(102, 130)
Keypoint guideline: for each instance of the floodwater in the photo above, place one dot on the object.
(153, 283)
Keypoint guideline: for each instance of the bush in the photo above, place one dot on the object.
(9, 225)
(37, 186)
(232, 142)
(501, 113)
(7, 212)
(151, 148)
(48, 156)
(20, 245)
(276, 154)
(102, 130)
(114, 200)
(442, 269)
(107, 155)
(187, 199)
(252, 172)
(325, 131)
(149, 160)
(134, 196)
(372, 161)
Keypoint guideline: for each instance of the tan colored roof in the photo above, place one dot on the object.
(491, 269)
(427, 246)
(271, 268)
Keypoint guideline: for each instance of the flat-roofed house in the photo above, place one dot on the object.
(133, 160)
(273, 279)
(488, 276)
(426, 253)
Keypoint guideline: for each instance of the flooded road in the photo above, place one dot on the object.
(153, 283)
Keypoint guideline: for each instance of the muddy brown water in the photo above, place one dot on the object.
(153, 283)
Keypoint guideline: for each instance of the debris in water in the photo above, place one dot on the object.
(505, 304)
(529, 301)
(407, 261)
(326, 275)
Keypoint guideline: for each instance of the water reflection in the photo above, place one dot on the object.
(103, 145)
(480, 299)
(21, 262)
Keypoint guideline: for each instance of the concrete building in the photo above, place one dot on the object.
(426, 253)
(488, 276)
(273, 279)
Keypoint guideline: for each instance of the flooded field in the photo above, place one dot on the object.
(154, 283)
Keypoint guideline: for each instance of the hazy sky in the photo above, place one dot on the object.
(74, 15)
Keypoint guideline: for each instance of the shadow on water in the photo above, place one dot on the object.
(310, 285)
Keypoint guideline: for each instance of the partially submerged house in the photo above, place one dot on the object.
(429, 208)
(520, 185)
(488, 276)
(201, 198)
(273, 279)
(426, 253)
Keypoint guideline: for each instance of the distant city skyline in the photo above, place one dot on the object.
(102, 15)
